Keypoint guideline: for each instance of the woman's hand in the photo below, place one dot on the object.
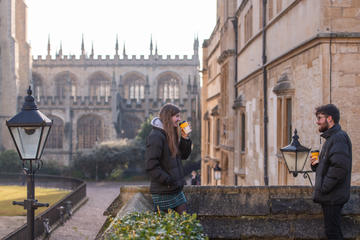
(183, 134)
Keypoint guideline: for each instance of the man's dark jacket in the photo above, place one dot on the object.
(166, 172)
(333, 173)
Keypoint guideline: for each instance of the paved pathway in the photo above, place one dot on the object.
(87, 221)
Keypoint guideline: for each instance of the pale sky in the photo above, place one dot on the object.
(173, 25)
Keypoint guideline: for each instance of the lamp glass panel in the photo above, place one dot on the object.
(290, 158)
(217, 175)
(302, 156)
(43, 140)
(27, 140)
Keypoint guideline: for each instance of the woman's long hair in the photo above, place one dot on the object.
(166, 113)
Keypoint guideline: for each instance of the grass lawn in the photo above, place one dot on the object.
(8, 194)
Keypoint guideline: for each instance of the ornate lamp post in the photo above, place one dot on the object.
(29, 130)
(217, 173)
(295, 156)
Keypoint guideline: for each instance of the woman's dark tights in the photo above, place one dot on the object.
(181, 208)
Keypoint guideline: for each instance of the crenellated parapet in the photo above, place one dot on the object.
(94, 101)
(57, 101)
(152, 103)
(116, 60)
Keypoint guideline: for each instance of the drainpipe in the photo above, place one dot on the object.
(266, 178)
(235, 23)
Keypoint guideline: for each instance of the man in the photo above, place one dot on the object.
(333, 169)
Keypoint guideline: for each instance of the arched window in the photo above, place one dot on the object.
(56, 135)
(89, 131)
(168, 86)
(134, 86)
(38, 89)
(65, 82)
(99, 85)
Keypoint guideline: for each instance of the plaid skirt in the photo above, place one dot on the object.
(168, 201)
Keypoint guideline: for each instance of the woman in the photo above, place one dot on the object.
(164, 152)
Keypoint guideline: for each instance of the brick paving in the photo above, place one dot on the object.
(87, 221)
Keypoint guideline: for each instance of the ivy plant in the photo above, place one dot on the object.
(157, 225)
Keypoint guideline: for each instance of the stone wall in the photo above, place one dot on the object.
(250, 212)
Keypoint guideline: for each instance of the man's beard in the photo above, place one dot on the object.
(324, 127)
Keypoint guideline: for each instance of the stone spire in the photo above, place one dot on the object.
(151, 45)
(117, 46)
(48, 46)
(196, 45)
(60, 51)
(92, 50)
(156, 51)
(82, 46)
(124, 51)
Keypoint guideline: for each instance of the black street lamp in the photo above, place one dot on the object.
(295, 156)
(217, 172)
(29, 130)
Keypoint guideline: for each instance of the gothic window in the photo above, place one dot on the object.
(208, 174)
(278, 6)
(208, 136)
(134, 85)
(130, 126)
(38, 89)
(284, 131)
(168, 87)
(142, 91)
(261, 14)
(271, 9)
(89, 131)
(56, 135)
(248, 24)
(65, 82)
(99, 85)
(224, 89)
(239, 36)
(242, 129)
(217, 132)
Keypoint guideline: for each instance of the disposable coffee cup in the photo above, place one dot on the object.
(315, 154)
(184, 125)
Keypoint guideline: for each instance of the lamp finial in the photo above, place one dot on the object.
(29, 91)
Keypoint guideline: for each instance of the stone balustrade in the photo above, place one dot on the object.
(276, 212)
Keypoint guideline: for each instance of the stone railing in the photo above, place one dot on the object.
(249, 212)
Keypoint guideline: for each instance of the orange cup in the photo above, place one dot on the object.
(315, 154)
(184, 125)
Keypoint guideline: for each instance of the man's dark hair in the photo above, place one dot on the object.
(329, 110)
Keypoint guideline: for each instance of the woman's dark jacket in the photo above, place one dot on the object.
(333, 173)
(166, 172)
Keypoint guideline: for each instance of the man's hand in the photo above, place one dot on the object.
(314, 160)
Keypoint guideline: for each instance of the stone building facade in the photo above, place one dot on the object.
(90, 99)
(266, 66)
(101, 99)
(14, 62)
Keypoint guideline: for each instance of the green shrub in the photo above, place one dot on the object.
(144, 130)
(150, 225)
(110, 160)
(10, 162)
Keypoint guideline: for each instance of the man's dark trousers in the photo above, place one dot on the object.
(332, 216)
